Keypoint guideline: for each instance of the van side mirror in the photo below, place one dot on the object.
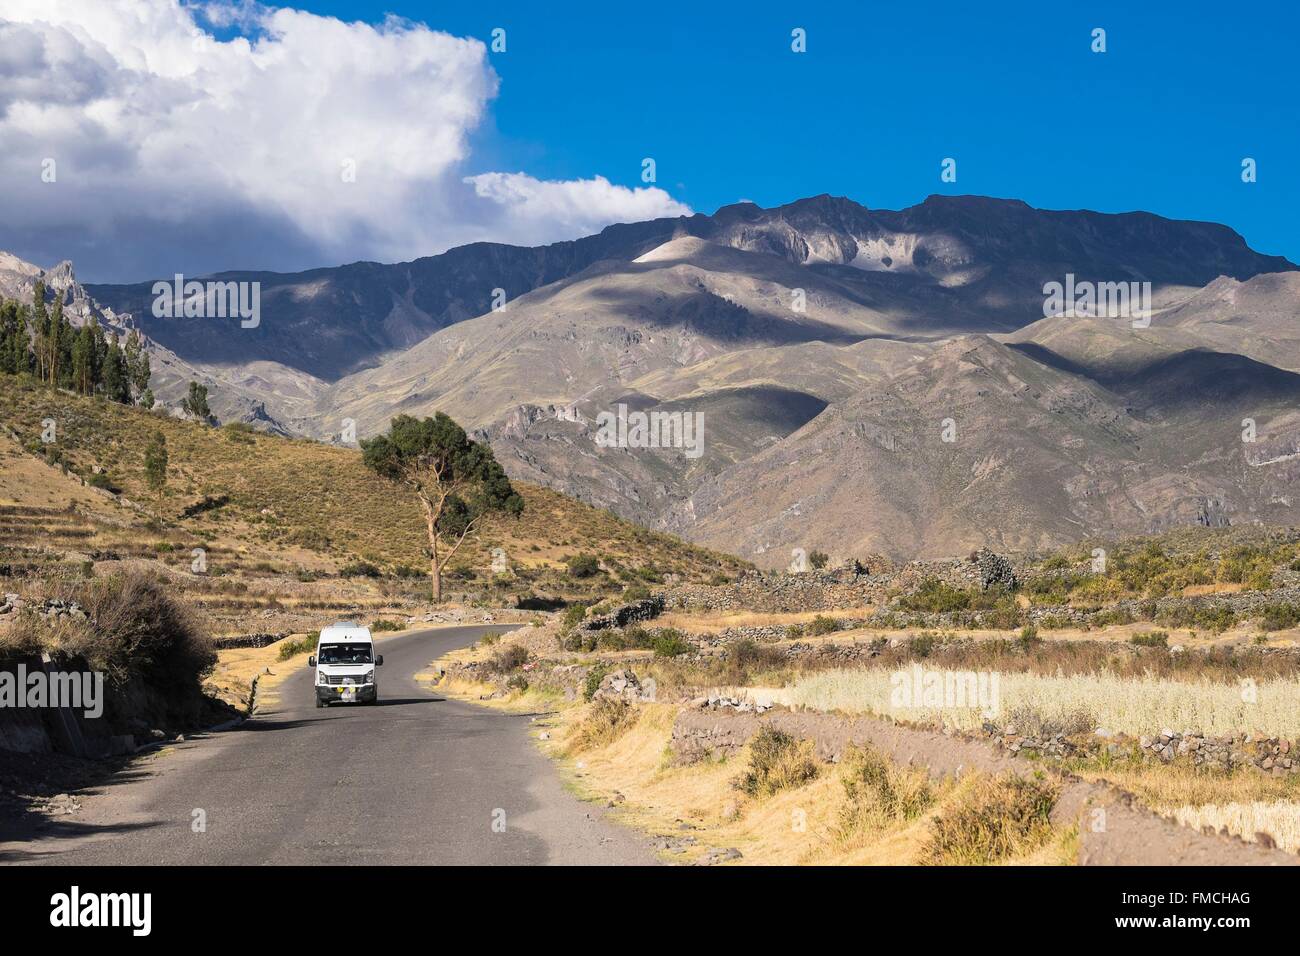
(379, 660)
(311, 661)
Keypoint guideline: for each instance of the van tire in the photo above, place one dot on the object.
(319, 703)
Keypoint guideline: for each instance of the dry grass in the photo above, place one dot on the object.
(991, 820)
(715, 621)
(851, 816)
(879, 793)
(303, 494)
(1167, 787)
(1279, 820)
(606, 720)
(1132, 705)
(777, 762)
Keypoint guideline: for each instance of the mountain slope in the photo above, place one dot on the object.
(969, 255)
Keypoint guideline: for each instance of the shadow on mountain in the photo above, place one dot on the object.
(715, 318)
(1203, 378)
(1045, 356)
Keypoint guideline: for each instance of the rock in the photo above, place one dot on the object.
(721, 855)
(621, 684)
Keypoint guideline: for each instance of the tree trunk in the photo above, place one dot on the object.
(431, 526)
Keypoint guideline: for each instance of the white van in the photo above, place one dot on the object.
(345, 663)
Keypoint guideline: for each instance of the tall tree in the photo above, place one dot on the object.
(195, 404)
(41, 331)
(83, 361)
(137, 363)
(14, 344)
(155, 465)
(64, 337)
(457, 481)
(116, 386)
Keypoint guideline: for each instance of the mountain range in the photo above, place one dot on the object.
(869, 381)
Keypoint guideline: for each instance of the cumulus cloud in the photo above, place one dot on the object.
(547, 210)
(300, 141)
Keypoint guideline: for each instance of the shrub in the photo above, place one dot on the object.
(922, 645)
(508, 658)
(1028, 637)
(517, 682)
(1279, 616)
(592, 684)
(292, 648)
(608, 719)
(137, 629)
(818, 560)
(821, 624)
(635, 592)
(878, 790)
(671, 643)
(991, 819)
(359, 569)
(382, 624)
(102, 480)
(1150, 639)
(583, 565)
(573, 615)
(936, 597)
(777, 762)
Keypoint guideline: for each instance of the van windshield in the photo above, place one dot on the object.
(344, 654)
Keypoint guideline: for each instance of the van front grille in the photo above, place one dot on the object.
(334, 680)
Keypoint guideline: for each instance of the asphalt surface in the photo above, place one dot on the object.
(415, 779)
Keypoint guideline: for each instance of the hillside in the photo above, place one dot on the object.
(820, 345)
(304, 504)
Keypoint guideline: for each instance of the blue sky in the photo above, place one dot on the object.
(1161, 121)
(181, 146)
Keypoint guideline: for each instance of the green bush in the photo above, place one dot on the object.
(517, 682)
(583, 565)
(1279, 616)
(290, 648)
(1150, 639)
(671, 643)
(592, 684)
(821, 624)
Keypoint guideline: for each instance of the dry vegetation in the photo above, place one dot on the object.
(1132, 705)
(302, 503)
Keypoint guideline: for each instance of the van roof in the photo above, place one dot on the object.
(345, 631)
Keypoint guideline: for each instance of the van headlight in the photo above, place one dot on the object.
(370, 676)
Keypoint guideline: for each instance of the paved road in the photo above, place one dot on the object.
(417, 779)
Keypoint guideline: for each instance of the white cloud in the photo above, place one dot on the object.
(176, 151)
(549, 210)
